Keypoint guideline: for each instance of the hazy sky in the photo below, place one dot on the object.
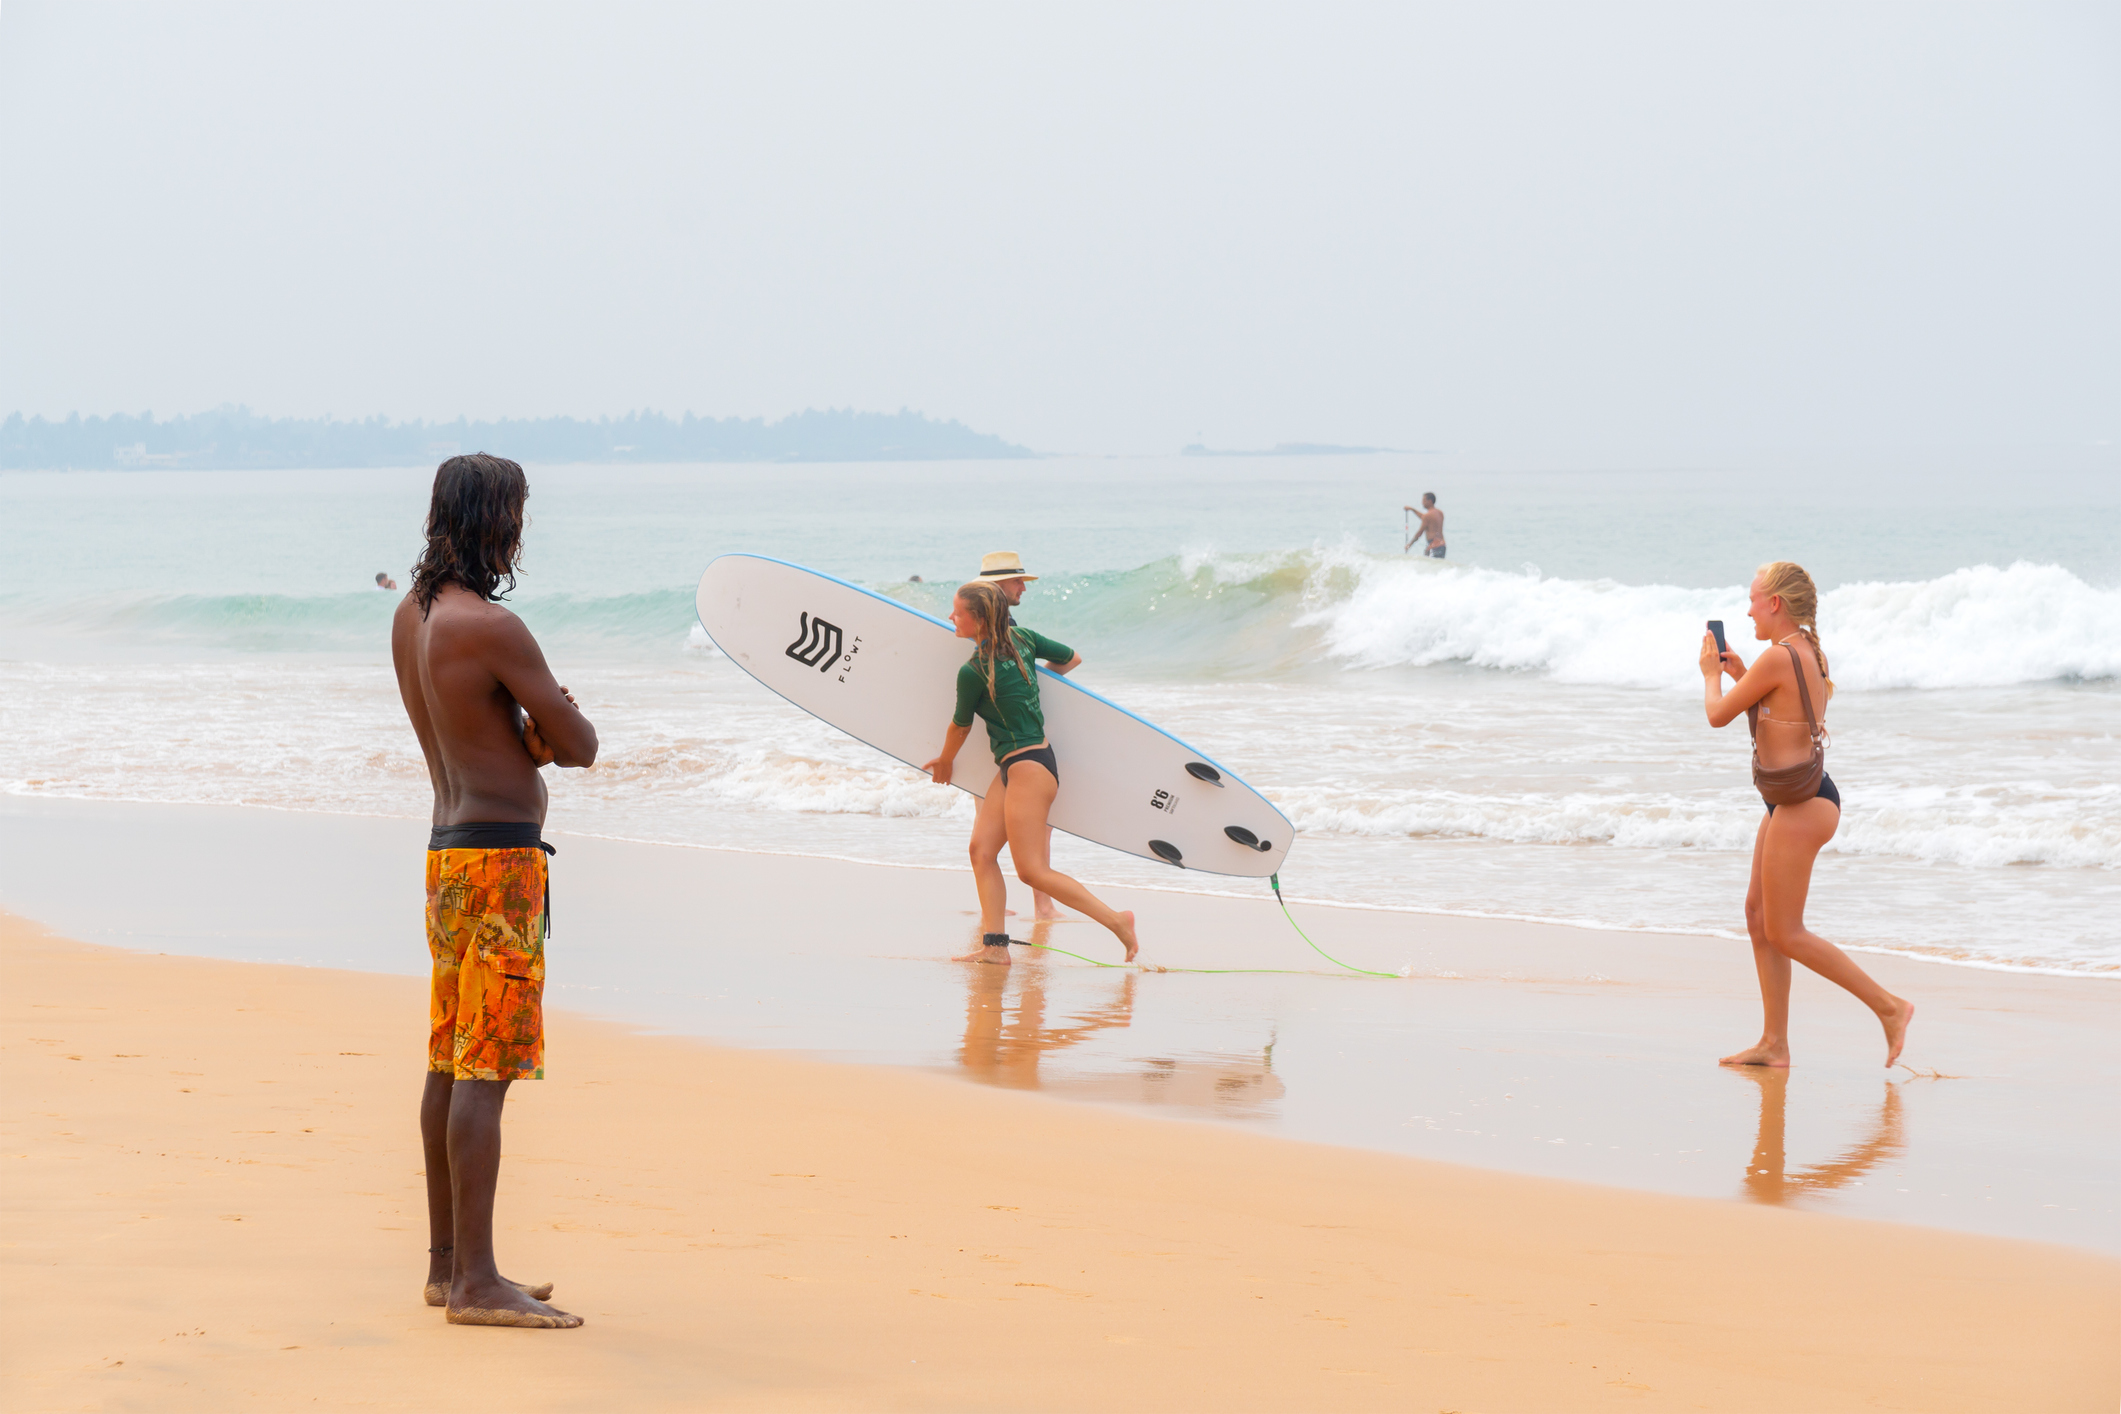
(1574, 231)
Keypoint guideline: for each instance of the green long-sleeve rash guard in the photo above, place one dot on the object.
(1012, 712)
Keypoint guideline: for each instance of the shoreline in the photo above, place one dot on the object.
(1516, 1048)
(920, 1221)
(1721, 935)
(2110, 973)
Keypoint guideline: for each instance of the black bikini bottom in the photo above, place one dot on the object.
(1826, 792)
(1041, 754)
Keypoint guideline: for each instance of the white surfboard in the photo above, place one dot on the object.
(886, 674)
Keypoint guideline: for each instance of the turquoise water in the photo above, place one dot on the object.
(1514, 731)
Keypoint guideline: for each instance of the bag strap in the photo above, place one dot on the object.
(1811, 718)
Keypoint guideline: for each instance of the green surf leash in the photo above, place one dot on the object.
(1274, 880)
(1151, 967)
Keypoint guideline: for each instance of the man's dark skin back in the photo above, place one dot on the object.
(488, 714)
(487, 710)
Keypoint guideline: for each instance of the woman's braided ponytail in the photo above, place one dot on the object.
(1800, 600)
(992, 611)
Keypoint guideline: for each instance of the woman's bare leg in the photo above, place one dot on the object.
(1042, 907)
(1029, 838)
(1793, 837)
(1773, 1048)
(989, 834)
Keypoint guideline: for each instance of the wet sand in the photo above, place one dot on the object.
(1546, 1050)
(214, 1203)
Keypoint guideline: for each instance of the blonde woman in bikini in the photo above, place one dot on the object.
(1000, 684)
(1783, 694)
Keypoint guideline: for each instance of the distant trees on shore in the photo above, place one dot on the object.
(234, 437)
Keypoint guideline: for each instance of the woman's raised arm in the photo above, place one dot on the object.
(1753, 683)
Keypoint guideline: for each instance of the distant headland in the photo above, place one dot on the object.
(232, 437)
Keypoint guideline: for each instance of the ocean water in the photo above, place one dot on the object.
(1516, 731)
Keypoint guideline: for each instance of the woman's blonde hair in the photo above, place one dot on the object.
(991, 611)
(1800, 600)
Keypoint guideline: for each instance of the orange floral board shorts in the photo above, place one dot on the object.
(486, 932)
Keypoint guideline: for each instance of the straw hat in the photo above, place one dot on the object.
(1003, 564)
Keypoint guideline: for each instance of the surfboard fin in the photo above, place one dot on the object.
(1167, 852)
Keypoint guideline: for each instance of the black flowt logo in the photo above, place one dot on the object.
(817, 645)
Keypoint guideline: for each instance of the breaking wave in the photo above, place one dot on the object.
(1295, 613)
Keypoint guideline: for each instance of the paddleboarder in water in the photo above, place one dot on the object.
(1005, 571)
(999, 684)
(1430, 526)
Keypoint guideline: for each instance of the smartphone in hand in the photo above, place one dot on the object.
(1716, 631)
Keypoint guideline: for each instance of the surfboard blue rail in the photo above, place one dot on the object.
(1119, 786)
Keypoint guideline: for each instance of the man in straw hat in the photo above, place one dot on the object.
(1005, 571)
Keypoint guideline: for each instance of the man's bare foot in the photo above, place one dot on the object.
(1044, 910)
(1775, 1053)
(1125, 930)
(538, 1316)
(504, 1304)
(440, 1270)
(998, 955)
(437, 1292)
(1896, 1028)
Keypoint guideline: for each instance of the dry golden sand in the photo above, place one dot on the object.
(213, 1202)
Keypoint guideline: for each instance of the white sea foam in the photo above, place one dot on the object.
(1542, 771)
(2078, 829)
(1980, 626)
(775, 778)
(1976, 627)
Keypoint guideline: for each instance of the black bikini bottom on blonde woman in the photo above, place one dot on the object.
(1826, 792)
(1041, 754)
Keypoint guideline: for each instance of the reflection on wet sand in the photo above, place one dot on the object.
(1766, 1177)
(1008, 1040)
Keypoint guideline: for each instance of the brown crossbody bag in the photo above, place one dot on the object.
(1790, 785)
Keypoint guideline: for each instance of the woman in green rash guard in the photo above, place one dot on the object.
(1000, 684)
